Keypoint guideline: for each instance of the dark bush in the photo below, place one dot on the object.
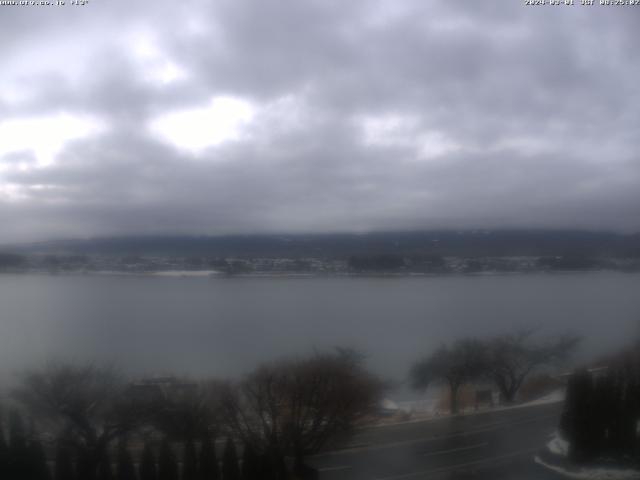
(126, 469)
(167, 465)
(189, 461)
(63, 469)
(208, 461)
(148, 470)
(230, 468)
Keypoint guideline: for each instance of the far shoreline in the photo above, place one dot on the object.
(214, 274)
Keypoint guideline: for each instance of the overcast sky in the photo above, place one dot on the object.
(216, 117)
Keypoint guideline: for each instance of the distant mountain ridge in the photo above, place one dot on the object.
(464, 243)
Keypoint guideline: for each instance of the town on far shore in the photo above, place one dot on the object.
(396, 253)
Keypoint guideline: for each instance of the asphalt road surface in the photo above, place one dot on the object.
(497, 445)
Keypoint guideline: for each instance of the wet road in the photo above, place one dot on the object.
(497, 445)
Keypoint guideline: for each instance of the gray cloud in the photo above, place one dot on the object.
(489, 114)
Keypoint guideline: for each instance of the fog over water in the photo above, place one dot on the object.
(225, 327)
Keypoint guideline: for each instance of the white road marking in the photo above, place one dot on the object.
(452, 450)
(450, 468)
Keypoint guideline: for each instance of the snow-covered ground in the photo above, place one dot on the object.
(425, 410)
(558, 447)
(592, 473)
(553, 397)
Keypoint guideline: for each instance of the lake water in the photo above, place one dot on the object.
(224, 327)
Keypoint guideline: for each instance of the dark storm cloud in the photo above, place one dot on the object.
(366, 115)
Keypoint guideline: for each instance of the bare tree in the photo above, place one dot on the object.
(296, 407)
(456, 365)
(511, 358)
(189, 413)
(87, 405)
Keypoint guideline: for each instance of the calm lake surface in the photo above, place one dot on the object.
(224, 327)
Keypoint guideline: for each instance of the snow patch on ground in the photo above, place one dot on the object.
(425, 410)
(558, 445)
(553, 397)
(592, 473)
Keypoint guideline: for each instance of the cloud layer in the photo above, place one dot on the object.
(316, 115)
